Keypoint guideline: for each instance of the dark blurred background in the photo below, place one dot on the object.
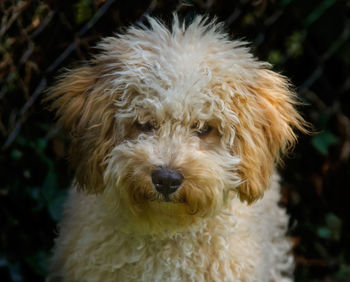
(306, 40)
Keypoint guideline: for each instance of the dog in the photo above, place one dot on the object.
(175, 137)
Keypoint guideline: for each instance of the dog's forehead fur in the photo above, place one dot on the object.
(186, 74)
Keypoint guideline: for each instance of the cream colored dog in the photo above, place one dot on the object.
(175, 136)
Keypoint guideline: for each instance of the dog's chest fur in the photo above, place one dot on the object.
(232, 246)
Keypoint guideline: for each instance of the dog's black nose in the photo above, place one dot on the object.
(166, 181)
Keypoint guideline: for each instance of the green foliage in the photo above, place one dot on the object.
(317, 12)
(54, 197)
(295, 44)
(323, 141)
(343, 274)
(332, 228)
(38, 262)
(275, 57)
(13, 268)
(84, 11)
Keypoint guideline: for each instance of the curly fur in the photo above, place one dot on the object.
(217, 226)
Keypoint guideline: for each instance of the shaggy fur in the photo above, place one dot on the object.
(191, 100)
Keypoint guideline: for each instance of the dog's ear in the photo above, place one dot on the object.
(69, 96)
(84, 110)
(266, 130)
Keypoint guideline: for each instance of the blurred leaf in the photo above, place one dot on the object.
(7, 45)
(324, 233)
(322, 120)
(50, 186)
(41, 144)
(3, 261)
(55, 205)
(321, 250)
(15, 272)
(333, 221)
(84, 11)
(13, 81)
(38, 262)
(275, 57)
(294, 44)
(34, 193)
(344, 52)
(344, 273)
(16, 154)
(249, 19)
(285, 2)
(53, 195)
(323, 140)
(318, 11)
(332, 229)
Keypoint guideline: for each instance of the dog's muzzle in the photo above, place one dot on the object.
(166, 181)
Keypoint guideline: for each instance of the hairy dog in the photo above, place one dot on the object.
(175, 137)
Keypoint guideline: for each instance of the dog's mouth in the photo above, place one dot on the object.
(155, 196)
(183, 198)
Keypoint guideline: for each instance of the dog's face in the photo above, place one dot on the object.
(171, 124)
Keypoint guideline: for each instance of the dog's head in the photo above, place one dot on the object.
(169, 124)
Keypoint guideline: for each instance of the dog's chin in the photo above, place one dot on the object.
(151, 213)
(158, 218)
(164, 217)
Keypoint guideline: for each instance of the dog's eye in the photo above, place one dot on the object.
(205, 130)
(145, 126)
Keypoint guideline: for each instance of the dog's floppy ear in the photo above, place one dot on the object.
(265, 131)
(69, 96)
(85, 111)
